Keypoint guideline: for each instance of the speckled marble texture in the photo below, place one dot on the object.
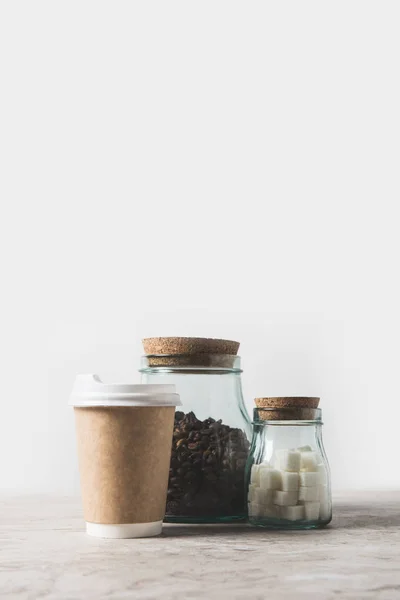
(44, 554)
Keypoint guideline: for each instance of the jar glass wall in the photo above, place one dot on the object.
(288, 476)
(211, 438)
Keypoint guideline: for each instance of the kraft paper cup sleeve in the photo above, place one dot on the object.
(124, 456)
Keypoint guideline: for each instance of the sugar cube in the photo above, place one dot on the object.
(250, 493)
(308, 461)
(255, 474)
(325, 511)
(322, 474)
(292, 513)
(272, 511)
(323, 493)
(270, 479)
(255, 510)
(263, 466)
(288, 460)
(285, 498)
(308, 494)
(308, 479)
(290, 481)
(304, 449)
(311, 511)
(262, 496)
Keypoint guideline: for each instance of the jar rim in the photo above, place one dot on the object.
(191, 363)
(287, 416)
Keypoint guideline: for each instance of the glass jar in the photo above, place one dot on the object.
(211, 436)
(288, 474)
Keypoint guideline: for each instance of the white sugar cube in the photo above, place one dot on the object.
(308, 494)
(285, 498)
(323, 493)
(290, 481)
(272, 511)
(309, 461)
(255, 474)
(304, 449)
(325, 511)
(255, 510)
(322, 474)
(263, 466)
(311, 511)
(292, 513)
(250, 493)
(308, 479)
(288, 460)
(262, 496)
(270, 479)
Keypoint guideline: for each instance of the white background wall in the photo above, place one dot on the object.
(226, 169)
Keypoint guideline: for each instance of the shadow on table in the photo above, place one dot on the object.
(232, 531)
(350, 516)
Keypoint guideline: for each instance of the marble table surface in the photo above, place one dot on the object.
(45, 554)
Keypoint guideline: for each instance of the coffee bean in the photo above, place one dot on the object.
(193, 446)
(172, 507)
(207, 468)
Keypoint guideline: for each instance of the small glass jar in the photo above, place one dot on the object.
(212, 431)
(288, 474)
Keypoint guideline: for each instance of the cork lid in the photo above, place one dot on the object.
(190, 351)
(287, 408)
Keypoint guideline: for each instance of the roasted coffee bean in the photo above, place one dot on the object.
(207, 468)
(194, 446)
(241, 455)
(172, 506)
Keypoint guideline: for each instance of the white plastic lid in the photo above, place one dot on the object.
(89, 390)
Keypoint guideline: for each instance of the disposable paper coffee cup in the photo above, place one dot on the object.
(124, 435)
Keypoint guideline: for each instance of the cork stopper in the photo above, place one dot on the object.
(186, 352)
(287, 408)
